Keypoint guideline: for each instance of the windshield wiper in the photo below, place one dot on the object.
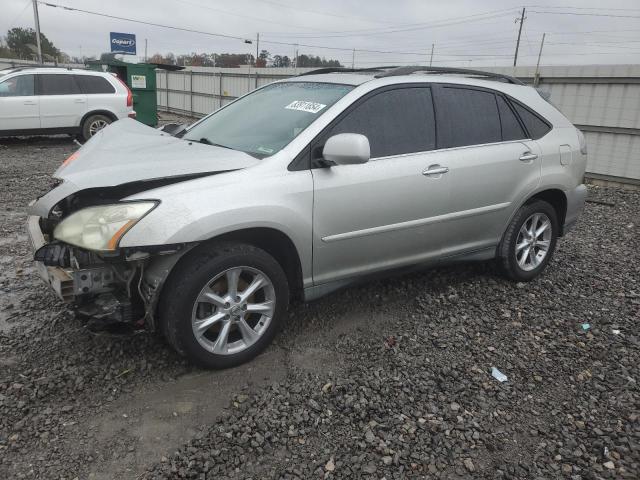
(206, 141)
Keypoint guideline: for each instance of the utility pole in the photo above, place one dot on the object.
(431, 58)
(536, 77)
(36, 19)
(257, 48)
(295, 60)
(515, 57)
(353, 59)
(145, 50)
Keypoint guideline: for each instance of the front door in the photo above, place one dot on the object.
(383, 213)
(62, 104)
(19, 106)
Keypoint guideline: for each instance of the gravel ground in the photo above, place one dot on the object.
(390, 379)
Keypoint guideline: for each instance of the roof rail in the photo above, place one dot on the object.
(29, 67)
(463, 71)
(320, 71)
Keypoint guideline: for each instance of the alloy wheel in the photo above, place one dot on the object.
(533, 242)
(96, 126)
(233, 310)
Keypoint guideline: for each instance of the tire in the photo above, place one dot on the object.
(518, 242)
(198, 291)
(94, 123)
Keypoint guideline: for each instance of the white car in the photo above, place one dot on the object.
(51, 100)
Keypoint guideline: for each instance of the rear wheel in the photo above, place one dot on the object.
(93, 124)
(529, 242)
(222, 307)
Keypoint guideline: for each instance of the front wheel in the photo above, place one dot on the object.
(529, 242)
(222, 306)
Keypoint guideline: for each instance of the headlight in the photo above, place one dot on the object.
(101, 227)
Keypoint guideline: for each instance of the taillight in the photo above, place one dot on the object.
(129, 94)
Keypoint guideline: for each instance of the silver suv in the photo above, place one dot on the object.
(302, 187)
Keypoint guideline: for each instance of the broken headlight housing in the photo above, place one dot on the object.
(100, 228)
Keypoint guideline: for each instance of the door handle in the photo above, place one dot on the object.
(528, 156)
(435, 170)
(29, 102)
(79, 100)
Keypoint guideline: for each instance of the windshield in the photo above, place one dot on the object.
(265, 121)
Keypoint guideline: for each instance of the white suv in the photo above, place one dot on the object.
(50, 100)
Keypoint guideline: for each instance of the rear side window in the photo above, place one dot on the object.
(535, 125)
(92, 84)
(511, 128)
(60, 84)
(20, 86)
(395, 122)
(467, 117)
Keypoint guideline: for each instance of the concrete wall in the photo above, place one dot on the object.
(602, 100)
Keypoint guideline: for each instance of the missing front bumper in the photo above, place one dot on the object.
(67, 283)
(57, 278)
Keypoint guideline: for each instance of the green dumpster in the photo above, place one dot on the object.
(141, 79)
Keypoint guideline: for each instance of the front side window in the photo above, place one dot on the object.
(60, 84)
(467, 117)
(264, 122)
(395, 122)
(20, 86)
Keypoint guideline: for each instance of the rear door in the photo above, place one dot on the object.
(383, 213)
(493, 164)
(101, 94)
(62, 103)
(19, 106)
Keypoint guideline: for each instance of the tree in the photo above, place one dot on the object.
(315, 61)
(22, 43)
(263, 58)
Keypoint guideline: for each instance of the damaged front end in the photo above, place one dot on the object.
(114, 285)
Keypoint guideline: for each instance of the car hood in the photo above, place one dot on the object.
(128, 151)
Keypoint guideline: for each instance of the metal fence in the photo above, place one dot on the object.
(199, 91)
(602, 100)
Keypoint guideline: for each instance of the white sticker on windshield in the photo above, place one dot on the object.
(303, 106)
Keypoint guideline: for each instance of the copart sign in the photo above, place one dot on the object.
(123, 43)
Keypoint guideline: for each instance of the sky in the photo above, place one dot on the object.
(465, 33)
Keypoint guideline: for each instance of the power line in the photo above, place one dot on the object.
(299, 9)
(584, 14)
(26, 5)
(423, 53)
(115, 17)
(416, 26)
(585, 8)
(226, 12)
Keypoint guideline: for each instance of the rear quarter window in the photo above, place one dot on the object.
(511, 128)
(91, 84)
(536, 126)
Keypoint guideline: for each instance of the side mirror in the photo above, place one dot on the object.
(347, 149)
(174, 129)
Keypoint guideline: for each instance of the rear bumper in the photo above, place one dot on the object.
(575, 205)
(59, 279)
